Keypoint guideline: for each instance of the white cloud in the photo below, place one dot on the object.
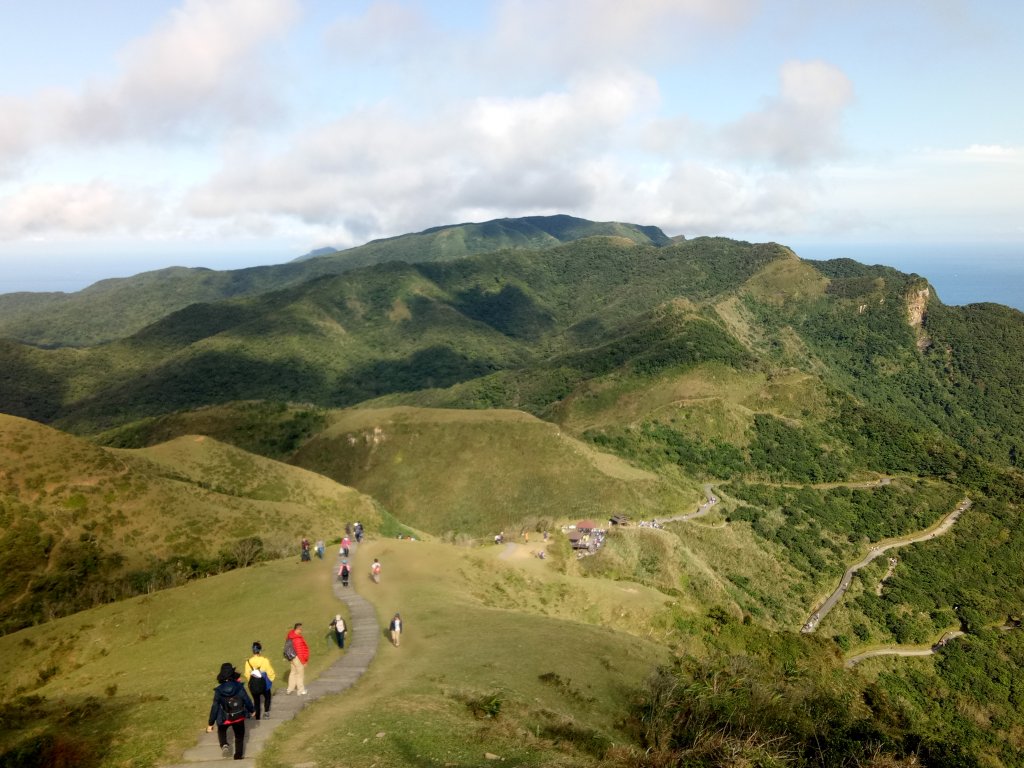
(386, 32)
(992, 152)
(575, 35)
(377, 171)
(197, 71)
(799, 126)
(47, 210)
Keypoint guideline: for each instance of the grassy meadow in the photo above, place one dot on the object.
(83, 525)
(473, 473)
(501, 653)
(130, 683)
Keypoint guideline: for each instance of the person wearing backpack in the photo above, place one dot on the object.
(337, 628)
(297, 653)
(231, 705)
(259, 673)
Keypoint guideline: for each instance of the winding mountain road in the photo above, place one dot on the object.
(901, 650)
(877, 550)
(703, 509)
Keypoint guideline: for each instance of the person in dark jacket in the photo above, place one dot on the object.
(227, 691)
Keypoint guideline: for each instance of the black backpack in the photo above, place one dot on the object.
(258, 684)
(233, 706)
(289, 649)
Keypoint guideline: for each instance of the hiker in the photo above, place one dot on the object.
(396, 630)
(260, 675)
(320, 549)
(343, 572)
(297, 653)
(359, 533)
(346, 545)
(230, 706)
(305, 550)
(375, 571)
(348, 529)
(337, 626)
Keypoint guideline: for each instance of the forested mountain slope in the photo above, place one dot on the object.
(115, 308)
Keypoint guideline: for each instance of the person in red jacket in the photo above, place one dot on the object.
(296, 679)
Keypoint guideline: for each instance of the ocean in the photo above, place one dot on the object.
(960, 274)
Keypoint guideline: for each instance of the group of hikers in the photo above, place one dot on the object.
(319, 548)
(233, 704)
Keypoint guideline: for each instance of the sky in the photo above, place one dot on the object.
(229, 133)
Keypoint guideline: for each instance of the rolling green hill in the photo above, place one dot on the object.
(82, 525)
(475, 473)
(115, 308)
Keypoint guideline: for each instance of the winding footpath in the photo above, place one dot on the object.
(703, 509)
(363, 637)
(900, 650)
(944, 525)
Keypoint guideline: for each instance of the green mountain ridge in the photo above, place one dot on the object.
(115, 308)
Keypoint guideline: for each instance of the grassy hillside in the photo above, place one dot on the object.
(478, 472)
(84, 525)
(552, 669)
(116, 308)
(131, 683)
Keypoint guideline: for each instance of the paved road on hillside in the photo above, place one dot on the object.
(900, 650)
(361, 641)
(703, 509)
(822, 610)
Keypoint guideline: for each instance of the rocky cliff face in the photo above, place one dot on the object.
(917, 306)
(917, 309)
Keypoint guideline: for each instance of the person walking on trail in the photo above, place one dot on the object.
(297, 653)
(359, 533)
(375, 571)
(260, 675)
(396, 630)
(305, 550)
(337, 627)
(231, 705)
(343, 573)
(320, 549)
(346, 545)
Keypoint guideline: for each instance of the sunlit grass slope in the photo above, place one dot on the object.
(478, 472)
(131, 683)
(501, 654)
(79, 519)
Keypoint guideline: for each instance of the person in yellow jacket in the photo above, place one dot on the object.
(259, 673)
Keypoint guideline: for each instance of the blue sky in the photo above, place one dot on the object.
(227, 133)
